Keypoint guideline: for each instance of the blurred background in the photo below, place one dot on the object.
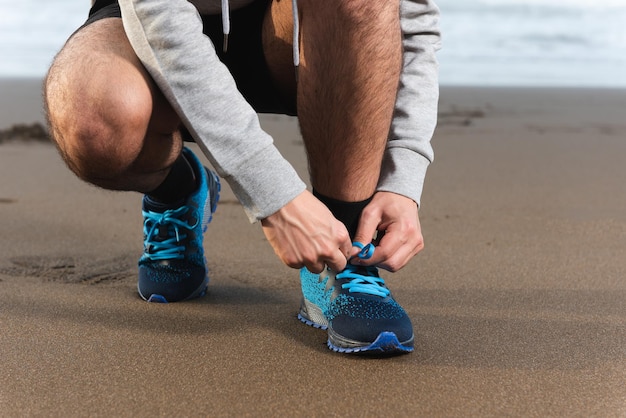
(564, 43)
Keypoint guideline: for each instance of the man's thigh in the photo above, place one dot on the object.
(244, 57)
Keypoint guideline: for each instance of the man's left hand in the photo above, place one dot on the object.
(395, 218)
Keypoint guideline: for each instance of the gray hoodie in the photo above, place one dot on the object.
(167, 37)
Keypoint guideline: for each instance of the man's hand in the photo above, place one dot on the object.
(399, 233)
(305, 233)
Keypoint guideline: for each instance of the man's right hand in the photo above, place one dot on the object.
(305, 233)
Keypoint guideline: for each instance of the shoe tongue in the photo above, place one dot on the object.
(354, 272)
(163, 233)
(364, 271)
(149, 204)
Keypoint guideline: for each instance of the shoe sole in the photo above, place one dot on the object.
(215, 187)
(386, 344)
(199, 292)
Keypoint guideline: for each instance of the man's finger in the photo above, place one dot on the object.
(338, 261)
(315, 268)
(366, 230)
(390, 246)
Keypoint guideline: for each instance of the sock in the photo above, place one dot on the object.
(347, 212)
(179, 183)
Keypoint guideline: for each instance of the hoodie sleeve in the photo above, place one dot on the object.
(167, 37)
(409, 151)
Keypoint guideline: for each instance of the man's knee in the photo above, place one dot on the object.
(98, 131)
(98, 109)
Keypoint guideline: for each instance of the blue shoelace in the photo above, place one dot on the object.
(157, 248)
(364, 279)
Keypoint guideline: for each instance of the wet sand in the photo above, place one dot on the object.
(518, 300)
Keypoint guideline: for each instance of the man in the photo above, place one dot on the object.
(142, 75)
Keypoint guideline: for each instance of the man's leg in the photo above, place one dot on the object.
(348, 78)
(349, 75)
(112, 126)
(115, 129)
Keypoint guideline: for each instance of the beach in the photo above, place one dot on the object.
(518, 300)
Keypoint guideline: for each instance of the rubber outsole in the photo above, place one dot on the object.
(311, 323)
(386, 344)
(156, 298)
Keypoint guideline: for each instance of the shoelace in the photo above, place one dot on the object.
(363, 279)
(171, 247)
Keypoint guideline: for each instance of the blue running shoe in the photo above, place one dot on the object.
(173, 267)
(357, 309)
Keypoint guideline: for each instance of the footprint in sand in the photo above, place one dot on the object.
(72, 269)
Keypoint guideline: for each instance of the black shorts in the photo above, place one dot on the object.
(244, 58)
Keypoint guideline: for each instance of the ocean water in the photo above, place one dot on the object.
(485, 42)
(534, 42)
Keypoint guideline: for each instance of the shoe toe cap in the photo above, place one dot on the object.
(173, 282)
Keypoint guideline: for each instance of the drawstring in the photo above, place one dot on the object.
(296, 37)
(225, 23)
(296, 31)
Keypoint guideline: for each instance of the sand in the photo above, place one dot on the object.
(518, 300)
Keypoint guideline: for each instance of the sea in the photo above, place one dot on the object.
(562, 43)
